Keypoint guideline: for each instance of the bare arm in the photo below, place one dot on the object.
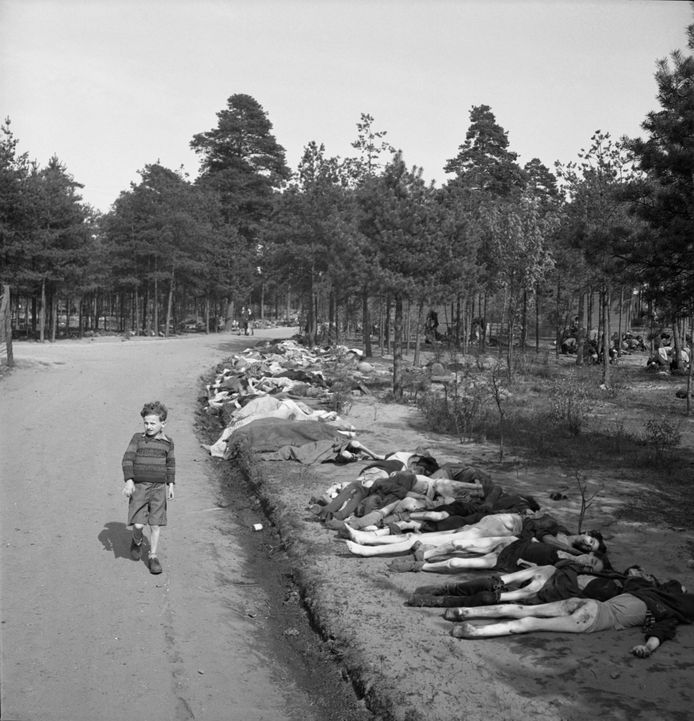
(559, 543)
(644, 650)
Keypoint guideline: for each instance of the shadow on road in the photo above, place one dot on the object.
(116, 537)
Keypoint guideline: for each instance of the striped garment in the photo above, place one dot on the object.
(149, 460)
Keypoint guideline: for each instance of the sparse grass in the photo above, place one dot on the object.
(558, 411)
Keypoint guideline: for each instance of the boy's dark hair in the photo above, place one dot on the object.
(155, 408)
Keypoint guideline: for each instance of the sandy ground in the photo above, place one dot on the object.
(87, 633)
(405, 662)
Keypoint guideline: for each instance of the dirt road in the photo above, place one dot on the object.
(87, 633)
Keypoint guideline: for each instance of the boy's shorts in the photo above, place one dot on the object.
(148, 504)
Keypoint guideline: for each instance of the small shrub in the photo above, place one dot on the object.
(662, 435)
(467, 412)
(437, 413)
(568, 404)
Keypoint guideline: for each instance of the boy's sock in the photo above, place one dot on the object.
(135, 548)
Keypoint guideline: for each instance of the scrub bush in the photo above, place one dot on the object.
(568, 404)
(662, 435)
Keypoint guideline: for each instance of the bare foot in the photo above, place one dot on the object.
(466, 630)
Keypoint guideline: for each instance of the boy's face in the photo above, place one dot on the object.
(153, 425)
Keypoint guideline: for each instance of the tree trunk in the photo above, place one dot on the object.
(558, 329)
(381, 324)
(524, 323)
(366, 323)
(537, 318)
(310, 318)
(54, 316)
(42, 312)
(169, 304)
(676, 360)
(691, 364)
(619, 324)
(420, 310)
(80, 317)
(6, 326)
(397, 349)
(511, 332)
(331, 315)
(229, 317)
(156, 300)
(388, 339)
(484, 323)
(581, 330)
(605, 335)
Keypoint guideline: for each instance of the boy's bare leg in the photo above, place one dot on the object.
(137, 532)
(153, 540)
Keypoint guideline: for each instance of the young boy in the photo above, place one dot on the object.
(149, 470)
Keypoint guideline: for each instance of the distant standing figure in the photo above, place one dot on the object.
(149, 471)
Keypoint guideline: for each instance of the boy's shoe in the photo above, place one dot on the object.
(135, 550)
(154, 565)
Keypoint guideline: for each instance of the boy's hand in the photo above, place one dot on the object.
(170, 487)
(128, 488)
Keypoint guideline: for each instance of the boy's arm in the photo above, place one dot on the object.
(170, 465)
(128, 462)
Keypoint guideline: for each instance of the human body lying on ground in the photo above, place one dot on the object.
(456, 514)
(469, 496)
(658, 608)
(509, 526)
(537, 584)
(506, 557)
(505, 526)
(383, 484)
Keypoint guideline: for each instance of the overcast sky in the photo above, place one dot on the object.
(112, 85)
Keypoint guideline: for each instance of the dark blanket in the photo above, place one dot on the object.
(266, 435)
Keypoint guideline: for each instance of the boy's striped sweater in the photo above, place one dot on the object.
(149, 459)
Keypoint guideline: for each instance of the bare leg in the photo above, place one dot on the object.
(429, 515)
(153, 540)
(537, 576)
(137, 532)
(576, 621)
(453, 565)
(474, 546)
(371, 538)
(381, 550)
(518, 610)
(360, 446)
(510, 579)
(368, 538)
